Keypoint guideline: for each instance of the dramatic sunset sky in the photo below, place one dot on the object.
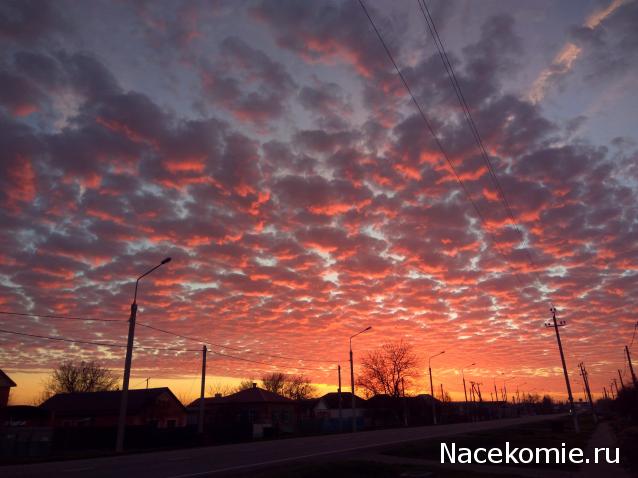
(270, 148)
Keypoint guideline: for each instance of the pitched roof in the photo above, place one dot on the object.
(104, 403)
(249, 395)
(332, 400)
(5, 381)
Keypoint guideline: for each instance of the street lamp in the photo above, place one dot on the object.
(121, 423)
(354, 418)
(463, 375)
(432, 386)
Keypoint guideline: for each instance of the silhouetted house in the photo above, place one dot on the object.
(386, 411)
(250, 413)
(154, 407)
(5, 387)
(24, 432)
(419, 409)
(24, 416)
(327, 410)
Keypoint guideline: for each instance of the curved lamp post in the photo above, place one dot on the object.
(121, 423)
(463, 375)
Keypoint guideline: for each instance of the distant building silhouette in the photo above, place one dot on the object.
(6, 384)
(250, 413)
(155, 407)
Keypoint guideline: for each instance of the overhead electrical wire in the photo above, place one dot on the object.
(142, 347)
(436, 140)
(429, 20)
(237, 349)
(92, 342)
(148, 326)
(59, 317)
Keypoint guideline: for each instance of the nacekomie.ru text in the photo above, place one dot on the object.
(509, 454)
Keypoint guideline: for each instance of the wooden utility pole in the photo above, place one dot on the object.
(631, 368)
(585, 375)
(556, 325)
(622, 384)
(200, 422)
(339, 399)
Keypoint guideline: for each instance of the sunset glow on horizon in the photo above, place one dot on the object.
(272, 151)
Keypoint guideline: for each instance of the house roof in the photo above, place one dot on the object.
(249, 395)
(331, 400)
(5, 381)
(105, 403)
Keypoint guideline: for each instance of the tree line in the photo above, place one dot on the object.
(388, 370)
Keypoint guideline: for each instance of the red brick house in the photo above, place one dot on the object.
(155, 407)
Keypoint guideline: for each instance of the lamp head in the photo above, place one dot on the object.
(168, 259)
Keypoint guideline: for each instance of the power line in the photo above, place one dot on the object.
(60, 317)
(436, 139)
(201, 341)
(429, 20)
(237, 349)
(167, 349)
(91, 342)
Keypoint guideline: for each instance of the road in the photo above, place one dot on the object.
(226, 459)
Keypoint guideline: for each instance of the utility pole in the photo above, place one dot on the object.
(631, 368)
(622, 384)
(463, 375)
(405, 404)
(121, 422)
(200, 423)
(464, 390)
(495, 391)
(433, 399)
(147, 382)
(556, 325)
(585, 375)
(354, 406)
(432, 386)
(354, 415)
(616, 387)
(339, 398)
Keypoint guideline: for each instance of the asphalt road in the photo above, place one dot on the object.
(226, 459)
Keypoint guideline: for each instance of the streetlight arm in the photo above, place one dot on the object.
(435, 355)
(359, 333)
(168, 259)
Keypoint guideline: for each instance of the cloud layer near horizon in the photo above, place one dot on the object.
(287, 174)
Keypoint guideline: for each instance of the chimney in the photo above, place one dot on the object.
(254, 385)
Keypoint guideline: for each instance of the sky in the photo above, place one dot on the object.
(272, 151)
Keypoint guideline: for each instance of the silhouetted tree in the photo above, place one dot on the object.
(245, 384)
(274, 382)
(220, 388)
(383, 370)
(298, 387)
(295, 387)
(72, 377)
